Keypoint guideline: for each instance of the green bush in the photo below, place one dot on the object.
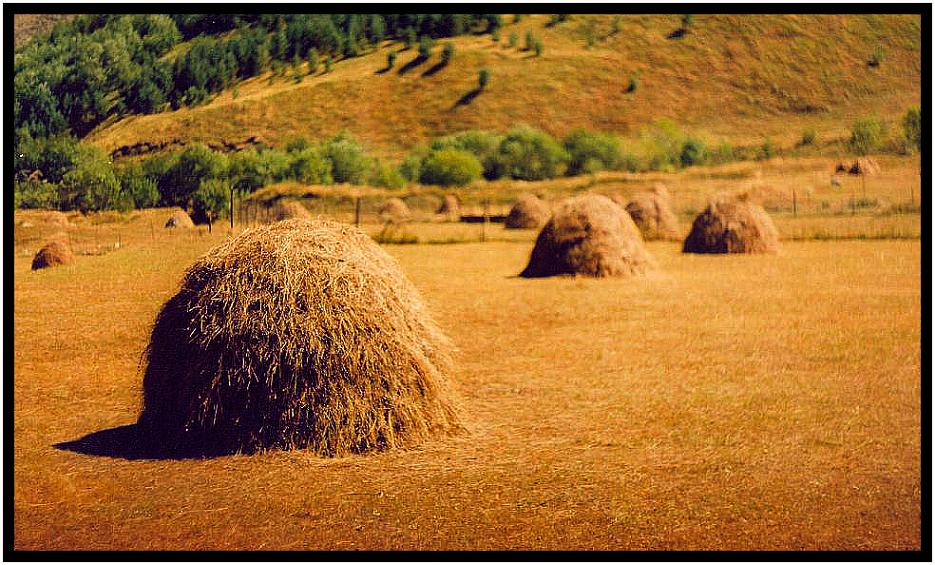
(632, 84)
(512, 40)
(481, 144)
(538, 48)
(390, 59)
(92, 185)
(495, 35)
(866, 135)
(411, 167)
(426, 44)
(590, 152)
(766, 151)
(348, 161)
(387, 176)
(665, 142)
(530, 40)
(52, 157)
(450, 167)
(195, 164)
(877, 57)
(693, 152)
(309, 166)
(483, 77)
(212, 197)
(808, 137)
(529, 154)
(409, 37)
(35, 193)
(448, 52)
(139, 188)
(912, 127)
(312, 60)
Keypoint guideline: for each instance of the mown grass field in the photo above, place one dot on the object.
(722, 402)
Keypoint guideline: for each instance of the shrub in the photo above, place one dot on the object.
(481, 144)
(693, 152)
(52, 156)
(448, 52)
(530, 40)
(687, 21)
(483, 77)
(329, 63)
(312, 60)
(390, 59)
(309, 166)
(387, 176)
(92, 185)
(866, 135)
(409, 37)
(250, 170)
(495, 35)
(426, 44)
(877, 57)
(529, 154)
(348, 161)
(411, 167)
(212, 197)
(912, 127)
(615, 25)
(666, 141)
(723, 153)
(195, 164)
(450, 167)
(591, 152)
(139, 188)
(512, 40)
(766, 151)
(34, 193)
(808, 137)
(538, 47)
(632, 84)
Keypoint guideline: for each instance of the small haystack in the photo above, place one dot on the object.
(395, 210)
(588, 235)
(56, 218)
(652, 213)
(297, 334)
(864, 166)
(450, 208)
(55, 252)
(732, 225)
(291, 210)
(529, 212)
(180, 219)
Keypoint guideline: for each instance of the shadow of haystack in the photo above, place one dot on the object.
(434, 68)
(127, 442)
(677, 34)
(467, 98)
(412, 64)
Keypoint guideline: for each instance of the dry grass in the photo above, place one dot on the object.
(601, 414)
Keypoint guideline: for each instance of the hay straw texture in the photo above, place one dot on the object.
(290, 211)
(529, 212)
(864, 166)
(450, 208)
(297, 334)
(589, 235)
(732, 225)
(53, 253)
(652, 213)
(395, 210)
(180, 219)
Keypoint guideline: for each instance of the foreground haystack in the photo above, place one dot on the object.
(732, 225)
(298, 334)
(652, 213)
(395, 210)
(54, 253)
(588, 235)
(290, 211)
(450, 208)
(180, 219)
(529, 212)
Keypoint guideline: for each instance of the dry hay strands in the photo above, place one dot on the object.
(450, 208)
(864, 166)
(395, 210)
(54, 253)
(297, 334)
(290, 211)
(652, 213)
(589, 235)
(732, 225)
(179, 219)
(529, 212)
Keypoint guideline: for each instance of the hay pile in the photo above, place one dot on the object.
(864, 166)
(529, 212)
(395, 210)
(589, 235)
(290, 211)
(180, 219)
(55, 252)
(297, 334)
(732, 225)
(652, 213)
(450, 208)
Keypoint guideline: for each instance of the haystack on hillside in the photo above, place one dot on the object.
(589, 235)
(180, 219)
(55, 252)
(450, 207)
(732, 225)
(529, 212)
(395, 210)
(289, 211)
(652, 213)
(297, 334)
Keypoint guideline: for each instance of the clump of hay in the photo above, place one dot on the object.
(53, 253)
(395, 210)
(864, 166)
(589, 235)
(529, 212)
(450, 208)
(732, 225)
(289, 211)
(652, 213)
(180, 219)
(297, 334)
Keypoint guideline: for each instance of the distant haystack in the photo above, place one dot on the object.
(864, 166)
(395, 210)
(55, 252)
(588, 235)
(732, 225)
(450, 208)
(297, 334)
(290, 211)
(180, 219)
(652, 213)
(529, 212)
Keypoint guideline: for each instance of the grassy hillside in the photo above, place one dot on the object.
(735, 78)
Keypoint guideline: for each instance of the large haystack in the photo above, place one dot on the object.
(297, 334)
(732, 225)
(529, 212)
(395, 210)
(652, 213)
(53, 253)
(588, 235)
(180, 219)
(450, 208)
(290, 211)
